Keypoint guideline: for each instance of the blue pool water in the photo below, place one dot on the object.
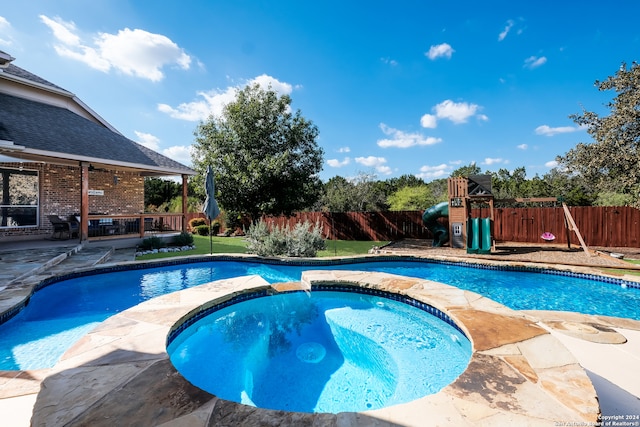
(323, 352)
(61, 313)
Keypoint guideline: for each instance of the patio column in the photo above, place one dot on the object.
(184, 202)
(84, 201)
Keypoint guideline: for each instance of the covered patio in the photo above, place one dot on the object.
(61, 162)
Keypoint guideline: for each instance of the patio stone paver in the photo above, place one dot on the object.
(612, 362)
(120, 372)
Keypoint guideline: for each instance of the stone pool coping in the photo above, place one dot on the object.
(120, 372)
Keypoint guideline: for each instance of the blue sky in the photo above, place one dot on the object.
(402, 87)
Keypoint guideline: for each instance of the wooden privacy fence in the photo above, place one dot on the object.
(361, 225)
(600, 226)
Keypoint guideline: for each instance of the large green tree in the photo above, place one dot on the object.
(265, 158)
(412, 198)
(158, 191)
(362, 193)
(611, 163)
(337, 196)
(466, 171)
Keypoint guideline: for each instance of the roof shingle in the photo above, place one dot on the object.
(40, 126)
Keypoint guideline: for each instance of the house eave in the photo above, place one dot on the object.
(42, 156)
(31, 83)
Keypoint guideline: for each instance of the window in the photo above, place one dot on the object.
(18, 198)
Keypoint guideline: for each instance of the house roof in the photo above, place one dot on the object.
(34, 130)
(24, 74)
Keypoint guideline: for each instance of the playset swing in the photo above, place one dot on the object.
(547, 236)
(569, 222)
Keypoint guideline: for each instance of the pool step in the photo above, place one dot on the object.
(32, 270)
(86, 257)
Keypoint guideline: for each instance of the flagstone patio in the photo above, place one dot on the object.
(121, 374)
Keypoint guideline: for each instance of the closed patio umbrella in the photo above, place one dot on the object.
(210, 208)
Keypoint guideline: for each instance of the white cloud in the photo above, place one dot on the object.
(5, 30)
(135, 52)
(179, 153)
(429, 121)
(194, 111)
(441, 50)
(389, 61)
(434, 172)
(378, 163)
(344, 150)
(493, 161)
(523, 146)
(457, 112)
(371, 161)
(384, 170)
(551, 164)
(335, 163)
(402, 139)
(506, 30)
(265, 81)
(534, 62)
(63, 31)
(214, 100)
(150, 141)
(549, 131)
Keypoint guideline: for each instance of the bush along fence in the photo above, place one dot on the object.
(599, 226)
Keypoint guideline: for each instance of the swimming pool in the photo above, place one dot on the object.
(60, 314)
(325, 351)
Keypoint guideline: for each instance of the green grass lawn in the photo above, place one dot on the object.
(631, 272)
(348, 247)
(225, 245)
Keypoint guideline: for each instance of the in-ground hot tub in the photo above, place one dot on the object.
(334, 349)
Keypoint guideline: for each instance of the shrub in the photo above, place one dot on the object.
(183, 239)
(194, 222)
(304, 241)
(258, 233)
(301, 241)
(233, 219)
(151, 243)
(202, 230)
(215, 228)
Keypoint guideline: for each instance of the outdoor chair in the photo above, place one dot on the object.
(62, 228)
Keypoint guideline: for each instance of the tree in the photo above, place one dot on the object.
(362, 193)
(158, 191)
(569, 187)
(406, 180)
(337, 196)
(369, 193)
(466, 171)
(440, 189)
(611, 163)
(265, 158)
(412, 198)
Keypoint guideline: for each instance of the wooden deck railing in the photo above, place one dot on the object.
(139, 225)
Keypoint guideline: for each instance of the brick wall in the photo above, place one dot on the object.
(60, 194)
(123, 193)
